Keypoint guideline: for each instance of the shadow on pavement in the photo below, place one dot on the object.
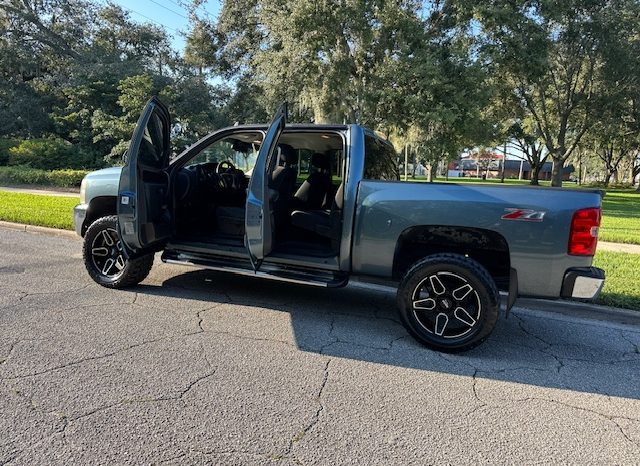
(361, 324)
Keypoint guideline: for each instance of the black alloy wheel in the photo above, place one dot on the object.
(105, 260)
(448, 302)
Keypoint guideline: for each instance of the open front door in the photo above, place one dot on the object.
(259, 217)
(143, 209)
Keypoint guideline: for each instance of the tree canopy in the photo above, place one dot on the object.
(550, 79)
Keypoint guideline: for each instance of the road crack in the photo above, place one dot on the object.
(316, 417)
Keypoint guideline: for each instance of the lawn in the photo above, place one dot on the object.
(621, 288)
(621, 217)
(37, 209)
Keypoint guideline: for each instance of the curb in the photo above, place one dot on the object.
(581, 310)
(39, 229)
(571, 310)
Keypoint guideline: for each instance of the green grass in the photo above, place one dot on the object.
(621, 288)
(38, 209)
(621, 217)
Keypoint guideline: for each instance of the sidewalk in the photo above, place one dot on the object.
(619, 247)
(45, 190)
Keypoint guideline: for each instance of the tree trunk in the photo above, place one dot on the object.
(535, 173)
(607, 178)
(556, 173)
(415, 163)
(406, 162)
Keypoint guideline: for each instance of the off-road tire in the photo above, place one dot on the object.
(476, 315)
(133, 271)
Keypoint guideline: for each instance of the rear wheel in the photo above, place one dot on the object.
(105, 260)
(448, 302)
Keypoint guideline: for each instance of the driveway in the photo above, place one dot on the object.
(199, 367)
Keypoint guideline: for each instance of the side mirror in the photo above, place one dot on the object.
(125, 157)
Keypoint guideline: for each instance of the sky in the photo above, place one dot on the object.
(172, 14)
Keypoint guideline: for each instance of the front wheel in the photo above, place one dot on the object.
(448, 302)
(104, 259)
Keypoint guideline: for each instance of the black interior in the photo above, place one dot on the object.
(306, 204)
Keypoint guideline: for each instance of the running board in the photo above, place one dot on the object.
(319, 278)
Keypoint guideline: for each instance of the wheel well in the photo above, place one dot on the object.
(484, 246)
(100, 206)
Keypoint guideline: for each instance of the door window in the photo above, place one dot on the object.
(152, 145)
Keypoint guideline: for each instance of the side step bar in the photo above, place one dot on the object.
(320, 278)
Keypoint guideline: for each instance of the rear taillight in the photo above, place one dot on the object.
(584, 232)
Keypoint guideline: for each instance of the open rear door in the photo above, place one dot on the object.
(259, 217)
(144, 219)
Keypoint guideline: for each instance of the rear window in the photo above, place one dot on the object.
(380, 160)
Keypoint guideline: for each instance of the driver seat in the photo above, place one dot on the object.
(230, 217)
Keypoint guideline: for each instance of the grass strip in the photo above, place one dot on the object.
(621, 287)
(38, 209)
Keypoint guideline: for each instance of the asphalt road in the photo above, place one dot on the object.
(205, 368)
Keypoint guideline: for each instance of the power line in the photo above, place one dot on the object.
(147, 17)
(177, 4)
(204, 11)
(169, 9)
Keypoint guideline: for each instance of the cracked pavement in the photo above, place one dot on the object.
(197, 367)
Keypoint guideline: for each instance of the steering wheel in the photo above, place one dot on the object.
(227, 166)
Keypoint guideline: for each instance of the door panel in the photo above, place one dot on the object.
(259, 215)
(143, 209)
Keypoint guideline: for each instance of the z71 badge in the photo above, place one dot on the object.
(526, 215)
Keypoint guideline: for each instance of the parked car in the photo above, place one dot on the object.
(322, 204)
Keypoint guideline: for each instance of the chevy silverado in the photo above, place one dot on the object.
(321, 204)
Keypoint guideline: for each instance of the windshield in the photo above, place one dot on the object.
(241, 150)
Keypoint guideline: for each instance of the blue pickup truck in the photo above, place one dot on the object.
(322, 204)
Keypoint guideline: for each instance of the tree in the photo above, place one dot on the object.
(531, 145)
(117, 130)
(201, 50)
(326, 58)
(554, 55)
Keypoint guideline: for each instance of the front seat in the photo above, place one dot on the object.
(313, 193)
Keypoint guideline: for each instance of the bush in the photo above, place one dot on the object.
(49, 154)
(28, 175)
(5, 145)
(67, 178)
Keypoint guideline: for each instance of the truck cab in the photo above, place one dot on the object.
(274, 200)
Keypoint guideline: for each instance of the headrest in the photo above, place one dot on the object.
(320, 161)
(288, 154)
